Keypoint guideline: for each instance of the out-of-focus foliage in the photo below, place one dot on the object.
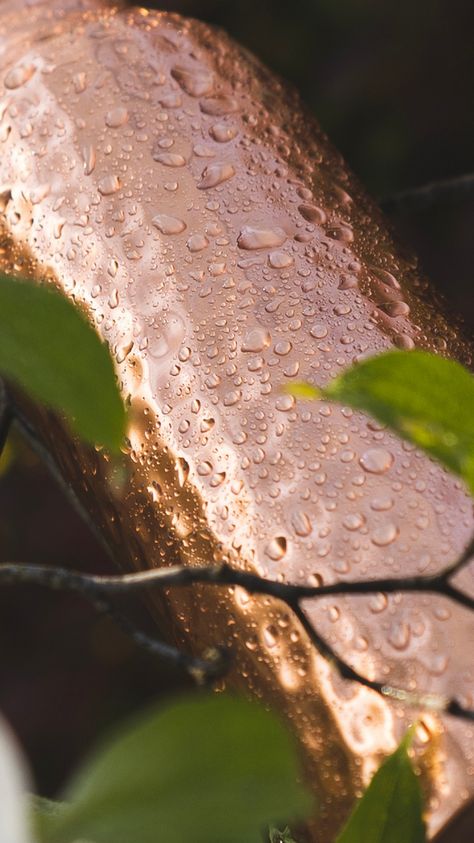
(206, 769)
(48, 347)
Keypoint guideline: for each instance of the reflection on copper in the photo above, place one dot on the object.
(177, 190)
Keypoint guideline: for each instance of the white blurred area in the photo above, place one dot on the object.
(14, 784)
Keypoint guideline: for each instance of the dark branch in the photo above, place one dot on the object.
(417, 198)
(100, 590)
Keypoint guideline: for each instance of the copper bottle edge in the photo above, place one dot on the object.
(193, 559)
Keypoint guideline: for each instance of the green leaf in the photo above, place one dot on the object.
(49, 348)
(207, 769)
(42, 813)
(391, 809)
(426, 399)
(301, 389)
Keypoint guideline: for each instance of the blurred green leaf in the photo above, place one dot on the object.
(50, 349)
(42, 812)
(207, 769)
(302, 389)
(424, 398)
(391, 809)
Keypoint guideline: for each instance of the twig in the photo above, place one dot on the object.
(100, 590)
(445, 190)
(97, 589)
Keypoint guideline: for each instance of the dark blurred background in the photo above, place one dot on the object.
(391, 83)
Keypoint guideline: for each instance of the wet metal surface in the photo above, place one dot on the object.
(171, 185)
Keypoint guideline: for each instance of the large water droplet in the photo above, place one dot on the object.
(197, 242)
(279, 259)
(223, 132)
(313, 214)
(116, 117)
(399, 635)
(170, 159)
(215, 174)
(376, 460)
(168, 225)
(19, 75)
(318, 331)
(260, 238)
(301, 523)
(218, 106)
(197, 82)
(276, 548)
(256, 340)
(109, 184)
(89, 158)
(384, 535)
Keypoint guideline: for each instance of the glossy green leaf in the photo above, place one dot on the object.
(49, 348)
(426, 399)
(207, 769)
(391, 809)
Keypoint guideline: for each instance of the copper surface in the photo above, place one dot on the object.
(171, 185)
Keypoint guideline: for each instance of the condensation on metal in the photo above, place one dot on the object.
(170, 184)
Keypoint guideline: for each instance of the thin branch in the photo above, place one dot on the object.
(27, 431)
(97, 589)
(445, 190)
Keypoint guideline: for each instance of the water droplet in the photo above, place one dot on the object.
(116, 117)
(168, 225)
(354, 521)
(18, 76)
(197, 242)
(280, 260)
(378, 603)
(215, 174)
(395, 308)
(89, 158)
(197, 82)
(256, 340)
(79, 80)
(39, 193)
(276, 548)
(318, 331)
(285, 403)
(301, 523)
(109, 184)
(282, 348)
(376, 460)
(113, 298)
(260, 238)
(182, 468)
(341, 232)
(270, 636)
(437, 663)
(169, 159)
(232, 397)
(382, 503)
(399, 635)
(206, 425)
(384, 535)
(218, 106)
(223, 132)
(313, 214)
